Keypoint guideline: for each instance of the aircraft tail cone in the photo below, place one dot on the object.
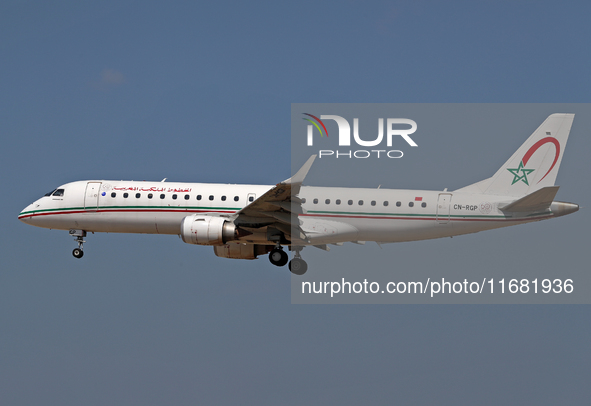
(562, 208)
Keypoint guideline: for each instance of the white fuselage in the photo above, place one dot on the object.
(331, 215)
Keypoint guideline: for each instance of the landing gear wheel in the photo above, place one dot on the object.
(78, 253)
(298, 266)
(278, 257)
(79, 234)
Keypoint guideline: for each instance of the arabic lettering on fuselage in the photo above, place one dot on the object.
(152, 189)
(180, 190)
(125, 188)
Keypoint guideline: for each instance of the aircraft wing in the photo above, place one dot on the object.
(278, 207)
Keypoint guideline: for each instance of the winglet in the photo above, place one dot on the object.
(297, 179)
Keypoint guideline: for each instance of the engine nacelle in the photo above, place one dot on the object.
(202, 229)
(241, 251)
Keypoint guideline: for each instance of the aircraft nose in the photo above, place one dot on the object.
(25, 214)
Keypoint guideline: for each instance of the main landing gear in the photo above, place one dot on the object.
(79, 234)
(297, 265)
(278, 257)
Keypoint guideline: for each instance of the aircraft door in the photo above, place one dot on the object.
(92, 195)
(443, 208)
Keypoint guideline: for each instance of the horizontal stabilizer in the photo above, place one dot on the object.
(539, 200)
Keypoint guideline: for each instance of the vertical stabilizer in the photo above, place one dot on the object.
(534, 165)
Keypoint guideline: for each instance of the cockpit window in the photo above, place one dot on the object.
(58, 193)
(50, 193)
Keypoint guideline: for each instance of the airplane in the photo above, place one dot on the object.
(245, 221)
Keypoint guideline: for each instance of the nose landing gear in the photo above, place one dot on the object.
(77, 252)
(79, 234)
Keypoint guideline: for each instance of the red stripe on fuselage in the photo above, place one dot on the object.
(303, 215)
(425, 218)
(125, 211)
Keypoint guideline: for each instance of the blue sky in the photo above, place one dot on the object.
(202, 92)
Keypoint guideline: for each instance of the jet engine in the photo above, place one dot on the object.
(207, 230)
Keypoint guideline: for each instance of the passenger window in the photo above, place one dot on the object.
(338, 201)
(327, 201)
(210, 197)
(361, 202)
(386, 203)
(113, 194)
(423, 204)
(162, 196)
(251, 199)
(186, 197)
(198, 197)
(236, 198)
(138, 195)
(150, 195)
(174, 197)
(303, 200)
(398, 204)
(223, 198)
(373, 202)
(411, 204)
(125, 195)
(315, 201)
(350, 202)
